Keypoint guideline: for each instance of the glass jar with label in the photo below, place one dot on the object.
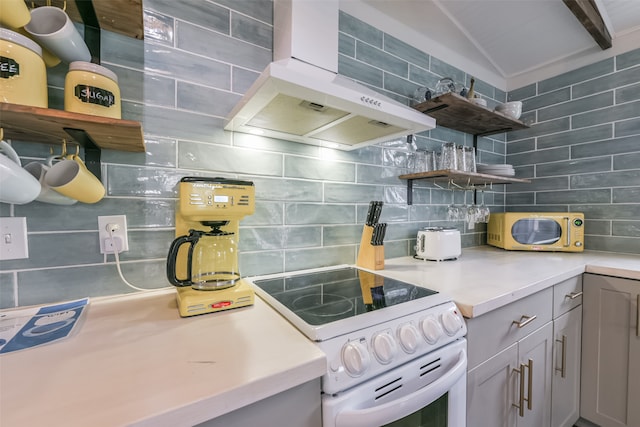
(23, 77)
(92, 89)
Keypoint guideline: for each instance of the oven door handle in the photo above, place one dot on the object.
(407, 405)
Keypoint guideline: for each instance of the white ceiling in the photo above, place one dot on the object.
(508, 43)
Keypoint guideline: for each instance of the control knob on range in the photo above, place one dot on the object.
(451, 321)
(431, 329)
(355, 358)
(384, 347)
(409, 337)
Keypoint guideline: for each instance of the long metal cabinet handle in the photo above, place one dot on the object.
(573, 295)
(568, 229)
(524, 321)
(638, 315)
(563, 363)
(530, 386)
(520, 404)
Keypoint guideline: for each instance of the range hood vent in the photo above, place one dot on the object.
(301, 97)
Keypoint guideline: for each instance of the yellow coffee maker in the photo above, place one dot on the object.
(203, 259)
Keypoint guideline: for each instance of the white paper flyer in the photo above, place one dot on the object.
(30, 327)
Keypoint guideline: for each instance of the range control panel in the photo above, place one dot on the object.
(358, 356)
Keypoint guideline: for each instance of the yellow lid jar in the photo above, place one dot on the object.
(23, 77)
(92, 89)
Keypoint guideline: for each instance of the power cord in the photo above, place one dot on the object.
(110, 229)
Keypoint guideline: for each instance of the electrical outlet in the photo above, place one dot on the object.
(120, 237)
(13, 238)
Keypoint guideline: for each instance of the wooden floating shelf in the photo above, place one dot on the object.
(48, 126)
(119, 16)
(458, 113)
(463, 180)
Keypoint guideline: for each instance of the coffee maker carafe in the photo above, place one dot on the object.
(203, 259)
(212, 263)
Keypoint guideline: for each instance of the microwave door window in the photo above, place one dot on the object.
(536, 231)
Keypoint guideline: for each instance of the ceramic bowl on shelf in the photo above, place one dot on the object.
(512, 109)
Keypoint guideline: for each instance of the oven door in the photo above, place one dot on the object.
(428, 391)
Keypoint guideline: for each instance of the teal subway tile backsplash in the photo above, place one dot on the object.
(628, 59)
(608, 146)
(318, 169)
(158, 27)
(607, 115)
(626, 228)
(305, 213)
(365, 73)
(585, 73)
(251, 30)
(626, 195)
(193, 155)
(601, 176)
(572, 167)
(571, 137)
(360, 30)
(382, 60)
(402, 50)
(627, 127)
(7, 291)
(198, 98)
(352, 193)
(608, 82)
(624, 178)
(205, 14)
(311, 202)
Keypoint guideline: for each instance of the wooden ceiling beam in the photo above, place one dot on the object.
(589, 16)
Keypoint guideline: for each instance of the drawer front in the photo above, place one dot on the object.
(567, 295)
(494, 331)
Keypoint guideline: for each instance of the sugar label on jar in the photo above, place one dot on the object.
(8, 67)
(94, 95)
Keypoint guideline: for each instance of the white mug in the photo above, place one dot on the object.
(47, 194)
(52, 27)
(17, 186)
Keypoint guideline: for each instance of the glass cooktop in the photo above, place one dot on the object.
(327, 296)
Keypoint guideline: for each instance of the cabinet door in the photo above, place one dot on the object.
(610, 388)
(535, 352)
(491, 389)
(565, 385)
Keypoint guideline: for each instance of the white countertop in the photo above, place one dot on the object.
(485, 278)
(136, 362)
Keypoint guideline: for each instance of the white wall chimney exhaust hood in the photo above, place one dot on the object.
(300, 97)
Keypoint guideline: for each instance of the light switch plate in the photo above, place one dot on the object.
(13, 238)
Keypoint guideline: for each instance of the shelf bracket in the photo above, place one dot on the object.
(409, 192)
(92, 152)
(91, 28)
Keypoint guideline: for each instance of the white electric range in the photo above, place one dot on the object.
(395, 351)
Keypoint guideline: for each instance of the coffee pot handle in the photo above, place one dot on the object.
(172, 258)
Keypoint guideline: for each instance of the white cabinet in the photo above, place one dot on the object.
(565, 386)
(299, 406)
(567, 334)
(610, 389)
(512, 387)
(516, 354)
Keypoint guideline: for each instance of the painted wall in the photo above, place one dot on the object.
(196, 61)
(582, 151)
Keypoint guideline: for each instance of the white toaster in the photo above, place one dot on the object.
(438, 243)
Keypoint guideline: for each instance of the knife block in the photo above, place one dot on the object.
(369, 256)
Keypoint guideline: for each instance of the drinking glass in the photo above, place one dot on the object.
(448, 158)
(469, 159)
